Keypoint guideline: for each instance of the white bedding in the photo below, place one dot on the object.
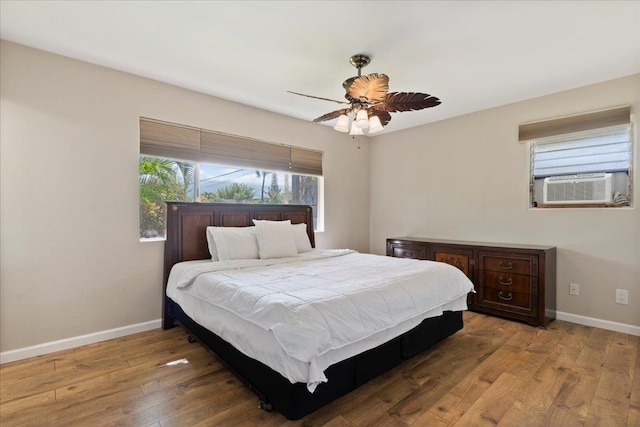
(315, 309)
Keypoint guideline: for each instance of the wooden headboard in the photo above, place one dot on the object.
(187, 224)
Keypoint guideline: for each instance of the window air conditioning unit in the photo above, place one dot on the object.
(578, 189)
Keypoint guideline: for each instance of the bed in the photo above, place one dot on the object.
(295, 378)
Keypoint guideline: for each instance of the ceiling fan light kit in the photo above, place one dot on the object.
(375, 125)
(343, 123)
(362, 120)
(369, 102)
(356, 131)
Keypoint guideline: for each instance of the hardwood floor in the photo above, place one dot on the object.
(493, 372)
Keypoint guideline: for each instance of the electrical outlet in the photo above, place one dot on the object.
(574, 289)
(622, 296)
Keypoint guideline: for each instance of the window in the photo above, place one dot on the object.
(159, 180)
(581, 161)
(181, 163)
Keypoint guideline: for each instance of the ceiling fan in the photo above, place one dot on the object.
(369, 102)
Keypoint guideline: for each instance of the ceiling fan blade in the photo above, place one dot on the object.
(317, 97)
(331, 115)
(407, 101)
(384, 116)
(369, 88)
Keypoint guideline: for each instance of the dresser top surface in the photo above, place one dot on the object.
(472, 243)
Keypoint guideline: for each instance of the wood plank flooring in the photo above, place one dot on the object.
(493, 372)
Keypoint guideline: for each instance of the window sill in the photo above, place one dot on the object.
(152, 239)
(580, 206)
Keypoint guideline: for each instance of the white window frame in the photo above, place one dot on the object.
(181, 143)
(195, 193)
(580, 128)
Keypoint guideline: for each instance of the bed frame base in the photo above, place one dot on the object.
(294, 400)
(186, 240)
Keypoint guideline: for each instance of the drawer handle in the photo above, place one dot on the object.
(505, 282)
(506, 267)
(509, 297)
(408, 254)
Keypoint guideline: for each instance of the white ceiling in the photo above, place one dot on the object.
(473, 55)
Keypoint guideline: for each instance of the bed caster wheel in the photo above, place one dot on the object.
(190, 339)
(265, 406)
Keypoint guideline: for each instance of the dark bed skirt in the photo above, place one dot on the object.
(294, 400)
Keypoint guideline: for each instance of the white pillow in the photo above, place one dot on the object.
(301, 237)
(234, 242)
(275, 239)
(211, 243)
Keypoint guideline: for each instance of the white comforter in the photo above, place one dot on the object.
(325, 299)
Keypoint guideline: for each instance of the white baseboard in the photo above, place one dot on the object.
(73, 342)
(599, 323)
(65, 344)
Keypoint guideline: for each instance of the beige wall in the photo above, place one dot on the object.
(467, 178)
(71, 263)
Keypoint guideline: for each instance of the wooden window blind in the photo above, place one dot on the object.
(577, 123)
(306, 162)
(247, 153)
(199, 145)
(168, 140)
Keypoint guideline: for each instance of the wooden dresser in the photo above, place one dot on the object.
(513, 281)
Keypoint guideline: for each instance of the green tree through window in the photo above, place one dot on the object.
(234, 192)
(164, 180)
(161, 180)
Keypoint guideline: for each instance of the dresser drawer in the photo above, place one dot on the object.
(409, 251)
(509, 282)
(460, 258)
(508, 301)
(527, 265)
(514, 281)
